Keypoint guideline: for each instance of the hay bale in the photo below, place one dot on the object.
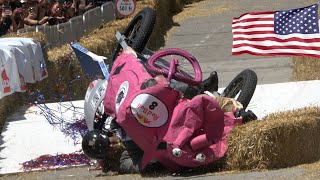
(305, 68)
(279, 140)
(38, 36)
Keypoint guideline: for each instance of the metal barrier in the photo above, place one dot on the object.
(77, 26)
(28, 29)
(92, 19)
(77, 29)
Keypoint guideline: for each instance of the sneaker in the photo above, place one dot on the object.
(211, 83)
(247, 116)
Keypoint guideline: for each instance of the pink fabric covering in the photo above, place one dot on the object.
(123, 77)
(158, 115)
(198, 126)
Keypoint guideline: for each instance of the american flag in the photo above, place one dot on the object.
(292, 32)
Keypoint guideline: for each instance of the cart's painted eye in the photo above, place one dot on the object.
(177, 152)
(201, 157)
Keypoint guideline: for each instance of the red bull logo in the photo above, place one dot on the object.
(143, 119)
(149, 111)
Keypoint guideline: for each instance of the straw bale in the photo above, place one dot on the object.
(305, 68)
(38, 36)
(277, 141)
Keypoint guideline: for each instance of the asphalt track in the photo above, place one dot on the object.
(209, 39)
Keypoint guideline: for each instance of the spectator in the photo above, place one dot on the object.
(18, 15)
(79, 7)
(15, 4)
(89, 4)
(43, 8)
(67, 11)
(56, 15)
(32, 19)
(7, 22)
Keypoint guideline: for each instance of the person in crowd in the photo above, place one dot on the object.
(7, 20)
(55, 14)
(15, 4)
(43, 8)
(18, 15)
(78, 8)
(32, 18)
(67, 11)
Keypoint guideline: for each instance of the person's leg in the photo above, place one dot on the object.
(130, 158)
(210, 84)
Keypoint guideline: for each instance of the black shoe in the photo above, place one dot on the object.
(211, 83)
(247, 116)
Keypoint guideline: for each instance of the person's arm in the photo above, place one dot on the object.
(19, 16)
(43, 20)
(88, 7)
(29, 21)
(13, 26)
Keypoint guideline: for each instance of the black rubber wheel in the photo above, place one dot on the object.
(243, 85)
(138, 32)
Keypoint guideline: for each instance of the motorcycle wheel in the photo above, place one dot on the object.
(242, 87)
(138, 32)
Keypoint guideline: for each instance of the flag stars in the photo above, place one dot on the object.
(302, 20)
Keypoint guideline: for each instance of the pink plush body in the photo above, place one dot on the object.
(158, 115)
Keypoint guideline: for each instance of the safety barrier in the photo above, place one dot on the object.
(77, 26)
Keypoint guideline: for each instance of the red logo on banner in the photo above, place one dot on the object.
(44, 72)
(23, 85)
(5, 81)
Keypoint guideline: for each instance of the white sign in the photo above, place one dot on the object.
(149, 110)
(125, 7)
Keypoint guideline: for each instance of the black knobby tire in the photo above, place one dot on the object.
(243, 84)
(138, 32)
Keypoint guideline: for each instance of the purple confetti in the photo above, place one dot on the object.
(50, 162)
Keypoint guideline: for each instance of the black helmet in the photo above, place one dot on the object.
(95, 144)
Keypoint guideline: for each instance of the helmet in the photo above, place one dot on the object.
(95, 144)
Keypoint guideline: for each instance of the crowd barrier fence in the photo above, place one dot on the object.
(77, 26)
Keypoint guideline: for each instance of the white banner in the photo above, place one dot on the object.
(22, 62)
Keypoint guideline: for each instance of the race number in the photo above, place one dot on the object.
(125, 7)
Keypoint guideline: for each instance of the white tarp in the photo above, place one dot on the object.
(21, 62)
(28, 135)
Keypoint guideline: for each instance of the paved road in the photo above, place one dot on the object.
(209, 38)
